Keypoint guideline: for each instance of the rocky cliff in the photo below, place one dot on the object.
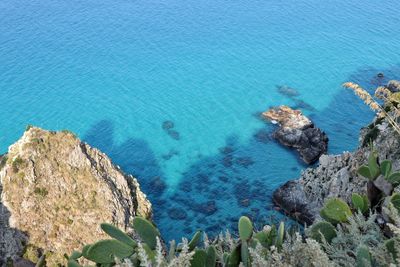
(56, 190)
(336, 175)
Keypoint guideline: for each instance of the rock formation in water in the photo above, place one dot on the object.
(336, 175)
(56, 190)
(297, 131)
(393, 86)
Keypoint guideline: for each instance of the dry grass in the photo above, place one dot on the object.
(381, 93)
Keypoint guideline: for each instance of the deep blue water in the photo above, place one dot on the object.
(115, 71)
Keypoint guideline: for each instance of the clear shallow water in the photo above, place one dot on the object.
(114, 71)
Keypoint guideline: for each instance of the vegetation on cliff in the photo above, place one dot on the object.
(56, 190)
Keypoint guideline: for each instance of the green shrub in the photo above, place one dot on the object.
(17, 164)
(3, 161)
(41, 191)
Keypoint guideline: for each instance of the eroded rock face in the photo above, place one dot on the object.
(57, 190)
(336, 175)
(298, 132)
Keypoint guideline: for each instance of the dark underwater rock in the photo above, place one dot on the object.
(177, 214)
(244, 161)
(207, 208)
(298, 132)
(223, 178)
(226, 150)
(174, 134)
(245, 202)
(227, 161)
(170, 154)
(287, 91)
(301, 104)
(168, 125)
(262, 136)
(157, 186)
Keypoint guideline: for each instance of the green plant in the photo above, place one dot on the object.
(363, 258)
(360, 202)
(146, 230)
(116, 233)
(336, 211)
(395, 200)
(245, 232)
(322, 230)
(195, 240)
(372, 170)
(41, 191)
(28, 127)
(245, 228)
(105, 251)
(280, 235)
(3, 161)
(16, 164)
(390, 246)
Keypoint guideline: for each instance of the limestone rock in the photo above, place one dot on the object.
(336, 175)
(56, 190)
(297, 131)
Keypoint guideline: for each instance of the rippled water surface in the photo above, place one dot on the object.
(171, 90)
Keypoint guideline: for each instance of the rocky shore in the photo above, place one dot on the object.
(336, 175)
(55, 191)
(298, 132)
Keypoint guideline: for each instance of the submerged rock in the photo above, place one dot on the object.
(167, 125)
(177, 214)
(297, 131)
(174, 134)
(262, 136)
(303, 105)
(287, 91)
(56, 190)
(336, 175)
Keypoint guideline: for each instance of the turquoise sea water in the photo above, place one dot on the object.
(115, 71)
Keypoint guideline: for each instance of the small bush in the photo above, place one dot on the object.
(17, 164)
(41, 191)
(3, 161)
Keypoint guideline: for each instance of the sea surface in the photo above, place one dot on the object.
(172, 90)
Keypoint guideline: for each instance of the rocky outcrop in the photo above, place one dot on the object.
(393, 86)
(56, 190)
(336, 175)
(298, 132)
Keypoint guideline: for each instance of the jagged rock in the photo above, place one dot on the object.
(393, 86)
(297, 131)
(56, 190)
(336, 175)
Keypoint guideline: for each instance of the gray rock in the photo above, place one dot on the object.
(393, 86)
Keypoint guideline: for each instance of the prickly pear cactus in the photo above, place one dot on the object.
(336, 211)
